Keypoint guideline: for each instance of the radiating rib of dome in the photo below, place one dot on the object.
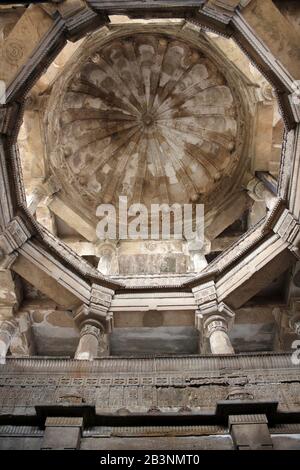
(149, 117)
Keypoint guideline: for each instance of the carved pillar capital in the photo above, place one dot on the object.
(215, 323)
(91, 340)
(102, 319)
(214, 320)
(214, 315)
(91, 329)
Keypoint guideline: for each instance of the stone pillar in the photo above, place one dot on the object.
(217, 332)
(91, 333)
(214, 321)
(8, 329)
(94, 322)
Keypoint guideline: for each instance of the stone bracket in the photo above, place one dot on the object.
(95, 315)
(62, 433)
(14, 236)
(250, 432)
(221, 10)
(288, 229)
(78, 17)
(83, 22)
(205, 292)
(213, 312)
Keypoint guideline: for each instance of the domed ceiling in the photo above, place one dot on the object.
(148, 116)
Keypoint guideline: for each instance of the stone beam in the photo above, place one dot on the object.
(250, 432)
(222, 243)
(74, 220)
(276, 32)
(44, 282)
(20, 44)
(169, 8)
(255, 271)
(81, 247)
(38, 37)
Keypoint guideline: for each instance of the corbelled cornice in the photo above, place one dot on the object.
(279, 228)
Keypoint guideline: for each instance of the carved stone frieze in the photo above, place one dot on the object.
(141, 384)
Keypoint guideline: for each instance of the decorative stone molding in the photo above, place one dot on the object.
(15, 235)
(239, 393)
(205, 292)
(65, 421)
(100, 302)
(78, 17)
(221, 10)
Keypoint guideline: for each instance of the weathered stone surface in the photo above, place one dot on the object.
(133, 102)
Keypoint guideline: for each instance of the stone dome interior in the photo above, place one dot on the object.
(147, 116)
